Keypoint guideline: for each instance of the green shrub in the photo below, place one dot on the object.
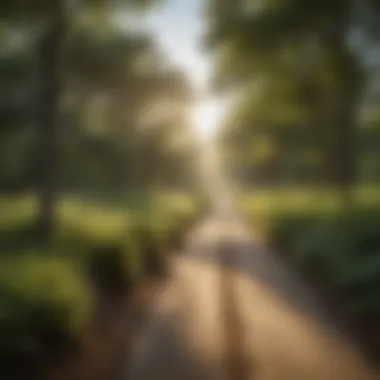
(46, 293)
(146, 234)
(340, 245)
(44, 305)
(113, 268)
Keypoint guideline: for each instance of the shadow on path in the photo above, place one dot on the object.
(257, 302)
(165, 355)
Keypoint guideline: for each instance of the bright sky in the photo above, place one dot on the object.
(179, 28)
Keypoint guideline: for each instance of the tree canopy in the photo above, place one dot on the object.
(295, 64)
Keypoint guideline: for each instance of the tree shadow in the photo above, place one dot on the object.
(165, 355)
(261, 265)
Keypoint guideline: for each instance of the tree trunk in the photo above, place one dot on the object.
(342, 144)
(49, 65)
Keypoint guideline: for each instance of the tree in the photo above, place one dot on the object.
(54, 17)
(255, 37)
(96, 152)
(272, 123)
(17, 111)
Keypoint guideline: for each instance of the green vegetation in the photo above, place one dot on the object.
(85, 118)
(336, 244)
(303, 81)
(305, 115)
(48, 291)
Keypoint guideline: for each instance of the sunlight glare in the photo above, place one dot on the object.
(206, 118)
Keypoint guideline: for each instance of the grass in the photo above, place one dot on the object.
(340, 245)
(47, 291)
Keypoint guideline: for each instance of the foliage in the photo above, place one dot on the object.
(106, 127)
(48, 291)
(338, 246)
(295, 66)
(45, 304)
(98, 132)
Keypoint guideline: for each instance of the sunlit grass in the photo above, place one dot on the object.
(337, 242)
(264, 206)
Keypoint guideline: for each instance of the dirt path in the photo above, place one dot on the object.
(232, 311)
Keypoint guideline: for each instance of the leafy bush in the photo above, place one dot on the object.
(113, 268)
(339, 245)
(44, 304)
(46, 293)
